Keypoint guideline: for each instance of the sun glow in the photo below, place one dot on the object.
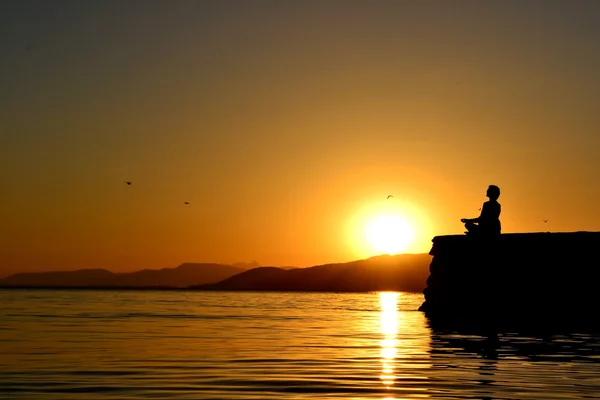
(388, 233)
(388, 227)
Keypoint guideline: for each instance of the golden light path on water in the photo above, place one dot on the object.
(389, 343)
(390, 324)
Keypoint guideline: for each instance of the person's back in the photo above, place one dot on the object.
(489, 220)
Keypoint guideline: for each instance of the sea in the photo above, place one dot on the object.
(112, 344)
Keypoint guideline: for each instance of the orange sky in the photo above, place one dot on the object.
(280, 122)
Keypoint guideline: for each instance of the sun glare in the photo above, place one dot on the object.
(389, 234)
(388, 227)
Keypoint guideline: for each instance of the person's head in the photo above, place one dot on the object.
(493, 192)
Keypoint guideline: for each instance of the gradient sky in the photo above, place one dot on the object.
(282, 122)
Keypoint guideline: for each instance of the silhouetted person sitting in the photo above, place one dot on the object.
(488, 222)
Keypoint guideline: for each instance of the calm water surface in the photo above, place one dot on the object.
(250, 345)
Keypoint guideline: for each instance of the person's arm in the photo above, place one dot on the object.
(484, 213)
(478, 219)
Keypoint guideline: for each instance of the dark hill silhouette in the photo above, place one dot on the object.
(181, 276)
(184, 275)
(81, 277)
(405, 272)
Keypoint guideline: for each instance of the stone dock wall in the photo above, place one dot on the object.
(527, 275)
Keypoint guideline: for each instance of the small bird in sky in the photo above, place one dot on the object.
(390, 196)
(480, 209)
(128, 183)
(186, 202)
(545, 220)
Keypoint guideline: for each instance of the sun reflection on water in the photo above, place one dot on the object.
(389, 343)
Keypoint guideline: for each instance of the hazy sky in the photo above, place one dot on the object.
(286, 124)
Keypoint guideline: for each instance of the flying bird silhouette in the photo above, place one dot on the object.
(390, 196)
(545, 220)
(186, 202)
(128, 183)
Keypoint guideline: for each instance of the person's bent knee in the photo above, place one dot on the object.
(470, 225)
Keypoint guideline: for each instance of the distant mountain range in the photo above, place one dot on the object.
(405, 272)
(179, 277)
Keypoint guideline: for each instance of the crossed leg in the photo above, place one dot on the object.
(471, 227)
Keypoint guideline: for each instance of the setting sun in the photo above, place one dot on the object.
(388, 227)
(388, 234)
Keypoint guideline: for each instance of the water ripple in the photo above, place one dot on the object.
(91, 345)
